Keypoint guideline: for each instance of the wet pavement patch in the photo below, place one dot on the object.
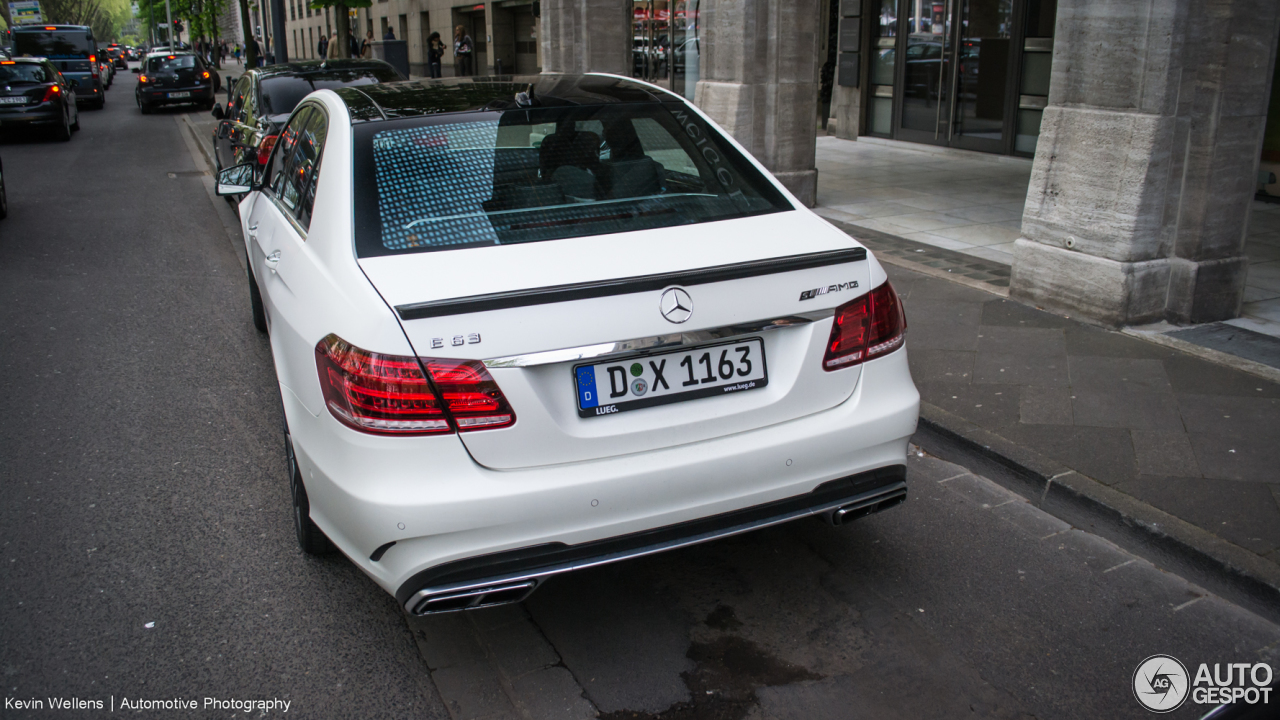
(728, 672)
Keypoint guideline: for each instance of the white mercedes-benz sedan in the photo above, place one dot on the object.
(528, 326)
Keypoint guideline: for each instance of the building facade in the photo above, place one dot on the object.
(504, 32)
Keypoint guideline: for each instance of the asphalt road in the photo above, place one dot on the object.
(148, 550)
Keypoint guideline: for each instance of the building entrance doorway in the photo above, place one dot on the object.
(971, 74)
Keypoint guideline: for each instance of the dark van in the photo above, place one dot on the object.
(71, 49)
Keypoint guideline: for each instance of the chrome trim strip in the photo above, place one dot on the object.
(673, 340)
(541, 576)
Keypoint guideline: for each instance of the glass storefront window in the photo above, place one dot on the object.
(1035, 72)
(1028, 131)
(881, 115)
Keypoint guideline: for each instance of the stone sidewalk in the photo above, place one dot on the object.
(1162, 428)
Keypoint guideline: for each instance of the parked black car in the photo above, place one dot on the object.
(172, 79)
(34, 92)
(259, 103)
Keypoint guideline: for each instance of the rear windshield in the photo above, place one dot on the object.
(54, 44)
(519, 176)
(24, 74)
(280, 95)
(171, 62)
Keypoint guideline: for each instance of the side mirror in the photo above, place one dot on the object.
(218, 113)
(236, 179)
(136, 70)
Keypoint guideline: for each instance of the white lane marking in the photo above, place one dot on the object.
(1188, 603)
(1117, 567)
(953, 477)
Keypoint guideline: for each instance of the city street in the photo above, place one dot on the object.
(149, 551)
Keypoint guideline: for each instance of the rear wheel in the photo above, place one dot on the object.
(63, 133)
(4, 201)
(146, 108)
(311, 538)
(76, 125)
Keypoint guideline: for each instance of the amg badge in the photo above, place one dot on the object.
(811, 294)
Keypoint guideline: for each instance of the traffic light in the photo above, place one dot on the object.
(177, 26)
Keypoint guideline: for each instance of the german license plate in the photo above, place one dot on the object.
(179, 95)
(13, 100)
(639, 382)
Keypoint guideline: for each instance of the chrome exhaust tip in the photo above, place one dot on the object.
(849, 513)
(429, 603)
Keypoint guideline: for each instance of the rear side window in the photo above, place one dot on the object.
(295, 168)
(519, 176)
(54, 44)
(25, 74)
(170, 63)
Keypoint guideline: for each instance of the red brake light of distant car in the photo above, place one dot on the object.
(205, 75)
(265, 147)
(390, 395)
(51, 93)
(866, 328)
(143, 79)
(93, 58)
(8, 62)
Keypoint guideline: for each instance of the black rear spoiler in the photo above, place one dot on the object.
(623, 286)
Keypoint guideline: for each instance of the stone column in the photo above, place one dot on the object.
(1140, 191)
(759, 80)
(581, 36)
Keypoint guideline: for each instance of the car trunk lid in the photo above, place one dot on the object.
(535, 312)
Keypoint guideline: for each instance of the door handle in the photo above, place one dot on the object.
(272, 260)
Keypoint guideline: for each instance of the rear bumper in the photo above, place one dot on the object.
(450, 518)
(202, 93)
(510, 576)
(42, 114)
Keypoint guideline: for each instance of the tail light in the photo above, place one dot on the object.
(51, 93)
(390, 395)
(265, 147)
(205, 75)
(866, 328)
(143, 79)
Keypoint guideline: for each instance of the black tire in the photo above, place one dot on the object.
(102, 102)
(63, 133)
(4, 201)
(146, 108)
(311, 538)
(76, 125)
(255, 302)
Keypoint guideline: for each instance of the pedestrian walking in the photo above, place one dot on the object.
(322, 47)
(462, 51)
(435, 51)
(366, 47)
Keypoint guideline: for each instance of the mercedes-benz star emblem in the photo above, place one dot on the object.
(676, 305)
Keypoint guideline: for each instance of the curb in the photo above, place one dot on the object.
(1221, 567)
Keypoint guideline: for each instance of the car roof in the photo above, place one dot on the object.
(55, 26)
(415, 98)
